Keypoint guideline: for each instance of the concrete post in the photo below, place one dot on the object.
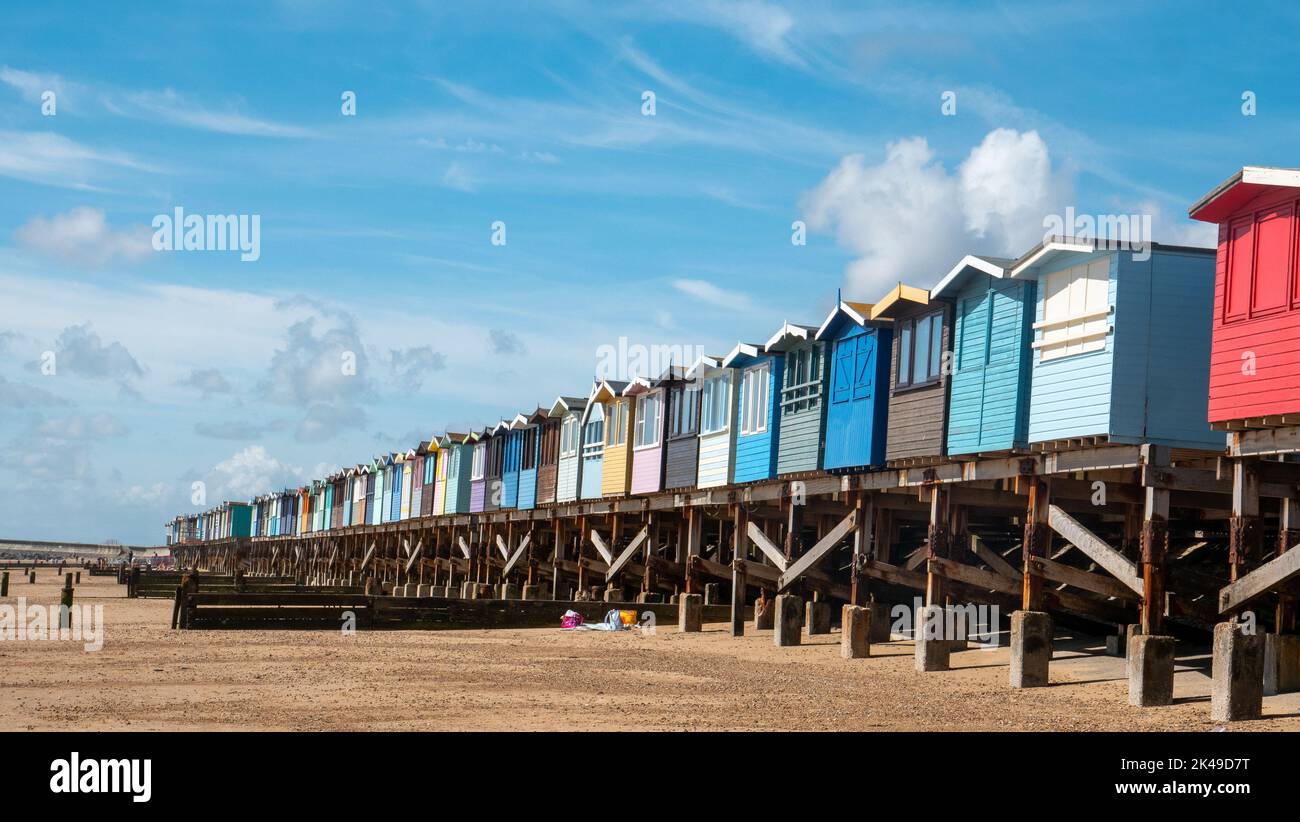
(65, 604)
(880, 622)
(788, 619)
(1150, 670)
(1281, 663)
(933, 649)
(711, 590)
(855, 635)
(1236, 674)
(1031, 648)
(613, 593)
(531, 592)
(817, 617)
(764, 614)
(690, 613)
(509, 590)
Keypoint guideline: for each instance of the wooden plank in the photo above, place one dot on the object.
(1119, 566)
(759, 571)
(370, 554)
(501, 546)
(464, 547)
(415, 555)
(817, 552)
(992, 559)
(766, 545)
(1097, 583)
(602, 548)
(519, 552)
(894, 575)
(628, 553)
(1275, 572)
(975, 577)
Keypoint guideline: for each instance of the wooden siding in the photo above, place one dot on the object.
(569, 468)
(1255, 361)
(526, 497)
(801, 446)
(457, 495)
(855, 426)
(988, 409)
(682, 453)
(547, 471)
(718, 449)
(756, 453)
(510, 474)
(648, 461)
(918, 417)
(616, 471)
(1070, 395)
(1160, 385)
(590, 476)
(476, 495)
(527, 494)
(681, 461)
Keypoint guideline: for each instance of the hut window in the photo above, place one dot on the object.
(685, 402)
(480, 458)
(756, 390)
(617, 433)
(717, 399)
(528, 456)
(803, 383)
(920, 349)
(569, 436)
(429, 468)
(594, 439)
(647, 420)
(1076, 309)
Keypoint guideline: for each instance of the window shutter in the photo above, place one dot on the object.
(843, 378)
(863, 370)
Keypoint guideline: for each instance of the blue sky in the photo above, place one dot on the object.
(671, 229)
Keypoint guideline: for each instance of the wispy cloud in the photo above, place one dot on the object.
(53, 159)
(170, 106)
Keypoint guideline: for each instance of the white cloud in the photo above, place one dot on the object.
(83, 427)
(82, 236)
(458, 177)
(81, 351)
(710, 293)
(18, 395)
(909, 219)
(1178, 230)
(142, 495)
(207, 381)
(248, 473)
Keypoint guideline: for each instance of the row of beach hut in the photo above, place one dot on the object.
(1074, 342)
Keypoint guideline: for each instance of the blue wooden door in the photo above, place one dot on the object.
(851, 415)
